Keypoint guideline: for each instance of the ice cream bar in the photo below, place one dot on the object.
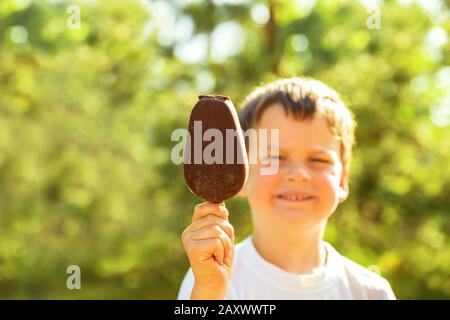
(215, 159)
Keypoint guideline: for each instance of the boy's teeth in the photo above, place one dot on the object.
(293, 198)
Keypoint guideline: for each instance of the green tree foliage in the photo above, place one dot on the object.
(86, 116)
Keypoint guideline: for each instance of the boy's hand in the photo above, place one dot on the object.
(209, 244)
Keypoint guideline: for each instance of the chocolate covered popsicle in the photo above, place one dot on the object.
(215, 159)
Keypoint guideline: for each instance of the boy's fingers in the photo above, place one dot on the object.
(214, 231)
(213, 220)
(212, 246)
(203, 209)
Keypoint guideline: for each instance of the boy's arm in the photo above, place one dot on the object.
(205, 293)
(188, 290)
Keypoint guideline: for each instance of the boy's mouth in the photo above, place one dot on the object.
(294, 196)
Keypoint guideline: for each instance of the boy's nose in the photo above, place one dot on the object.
(298, 173)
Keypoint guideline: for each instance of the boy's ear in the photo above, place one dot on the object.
(343, 187)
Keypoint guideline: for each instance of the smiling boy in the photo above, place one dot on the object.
(286, 256)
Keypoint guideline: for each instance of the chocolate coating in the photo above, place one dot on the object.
(225, 176)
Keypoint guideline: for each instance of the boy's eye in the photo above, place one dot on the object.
(320, 160)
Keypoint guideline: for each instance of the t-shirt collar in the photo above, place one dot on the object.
(319, 280)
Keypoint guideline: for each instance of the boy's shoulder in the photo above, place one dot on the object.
(358, 276)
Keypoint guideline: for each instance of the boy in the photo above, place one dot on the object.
(285, 257)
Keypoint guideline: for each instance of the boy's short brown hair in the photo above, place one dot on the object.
(302, 98)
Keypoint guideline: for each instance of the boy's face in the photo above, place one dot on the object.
(309, 166)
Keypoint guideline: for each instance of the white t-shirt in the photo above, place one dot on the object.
(254, 278)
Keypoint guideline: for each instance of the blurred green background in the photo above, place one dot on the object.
(87, 108)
